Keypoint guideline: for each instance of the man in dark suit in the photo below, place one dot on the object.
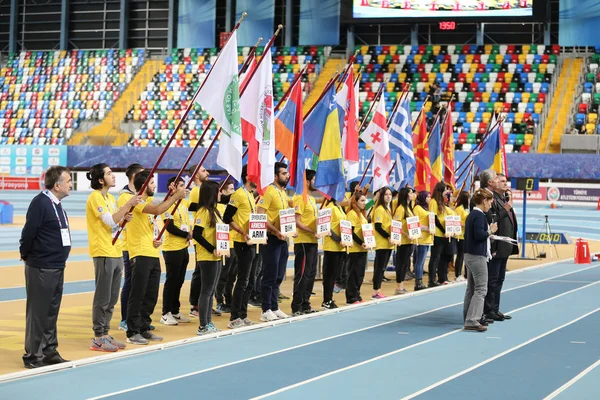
(503, 213)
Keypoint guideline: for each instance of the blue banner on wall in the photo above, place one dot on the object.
(258, 22)
(196, 23)
(30, 160)
(578, 23)
(319, 22)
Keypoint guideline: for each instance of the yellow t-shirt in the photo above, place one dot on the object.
(426, 237)
(142, 230)
(209, 233)
(441, 212)
(308, 216)
(99, 234)
(357, 221)
(383, 217)
(246, 205)
(463, 214)
(401, 215)
(221, 208)
(272, 202)
(337, 214)
(124, 198)
(181, 219)
(195, 194)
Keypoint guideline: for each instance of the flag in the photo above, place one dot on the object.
(347, 99)
(435, 154)
(258, 124)
(314, 123)
(448, 148)
(248, 73)
(376, 137)
(220, 97)
(422, 166)
(289, 138)
(330, 169)
(503, 150)
(489, 155)
(401, 146)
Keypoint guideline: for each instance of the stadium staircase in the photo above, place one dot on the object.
(332, 66)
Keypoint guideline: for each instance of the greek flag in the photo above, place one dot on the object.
(401, 146)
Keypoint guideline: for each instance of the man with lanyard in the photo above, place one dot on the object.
(275, 252)
(175, 252)
(44, 247)
(237, 215)
(145, 261)
(306, 248)
(125, 195)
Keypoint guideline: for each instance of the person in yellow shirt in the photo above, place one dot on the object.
(224, 290)
(462, 210)
(438, 261)
(404, 209)
(208, 261)
(275, 252)
(382, 220)
(237, 215)
(332, 254)
(306, 248)
(357, 262)
(175, 252)
(342, 275)
(124, 195)
(102, 219)
(421, 210)
(145, 262)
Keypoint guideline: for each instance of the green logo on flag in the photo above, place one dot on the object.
(231, 105)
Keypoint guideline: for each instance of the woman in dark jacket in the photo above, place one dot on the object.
(477, 254)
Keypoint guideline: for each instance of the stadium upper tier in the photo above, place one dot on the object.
(586, 118)
(163, 103)
(46, 95)
(481, 79)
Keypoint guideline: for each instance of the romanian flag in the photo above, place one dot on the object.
(490, 155)
(421, 149)
(448, 148)
(435, 154)
(289, 138)
(330, 169)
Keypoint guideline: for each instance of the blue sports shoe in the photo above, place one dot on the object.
(123, 326)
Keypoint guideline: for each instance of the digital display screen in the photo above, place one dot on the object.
(442, 8)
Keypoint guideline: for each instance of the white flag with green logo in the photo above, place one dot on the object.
(220, 97)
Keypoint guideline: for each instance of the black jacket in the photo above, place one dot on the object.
(41, 242)
(476, 234)
(507, 226)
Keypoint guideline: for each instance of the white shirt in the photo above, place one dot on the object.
(52, 196)
(489, 244)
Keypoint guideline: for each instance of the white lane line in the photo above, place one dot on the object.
(575, 342)
(284, 389)
(403, 333)
(572, 381)
(317, 341)
(494, 337)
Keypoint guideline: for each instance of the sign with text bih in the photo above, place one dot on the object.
(257, 228)
(222, 244)
(396, 233)
(414, 227)
(368, 236)
(287, 222)
(432, 223)
(324, 222)
(345, 232)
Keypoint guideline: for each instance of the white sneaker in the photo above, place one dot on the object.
(236, 323)
(460, 279)
(168, 319)
(280, 314)
(268, 316)
(182, 319)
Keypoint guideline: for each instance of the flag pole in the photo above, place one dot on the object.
(177, 128)
(347, 69)
(212, 143)
(488, 130)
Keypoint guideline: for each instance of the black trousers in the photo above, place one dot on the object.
(195, 284)
(403, 261)
(305, 271)
(342, 274)
(224, 290)
(435, 257)
(245, 255)
(460, 258)
(44, 288)
(145, 281)
(256, 277)
(331, 266)
(176, 263)
(496, 273)
(209, 270)
(357, 264)
(126, 285)
(275, 256)
(382, 258)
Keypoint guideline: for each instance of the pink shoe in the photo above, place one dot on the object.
(378, 296)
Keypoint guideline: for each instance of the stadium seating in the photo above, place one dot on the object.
(167, 96)
(587, 110)
(483, 79)
(46, 95)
